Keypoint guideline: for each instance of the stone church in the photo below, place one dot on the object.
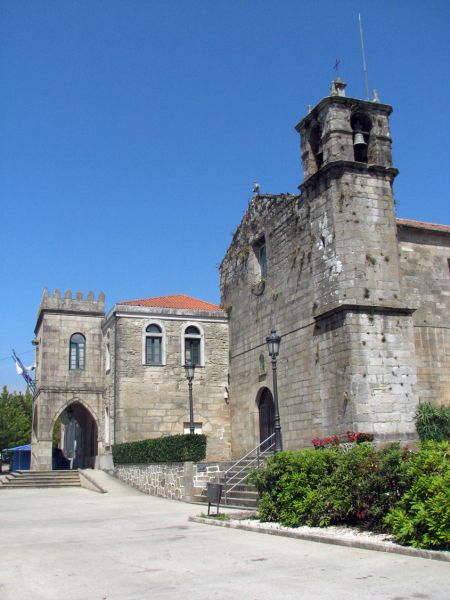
(360, 299)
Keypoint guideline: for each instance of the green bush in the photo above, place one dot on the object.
(366, 485)
(421, 518)
(433, 422)
(175, 448)
(291, 486)
(327, 487)
(392, 490)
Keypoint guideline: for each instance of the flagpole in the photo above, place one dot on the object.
(24, 372)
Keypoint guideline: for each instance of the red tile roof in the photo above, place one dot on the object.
(177, 301)
(424, 225)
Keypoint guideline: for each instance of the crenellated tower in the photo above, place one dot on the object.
(69, 379)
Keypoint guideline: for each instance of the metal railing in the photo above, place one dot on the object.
(252, 459)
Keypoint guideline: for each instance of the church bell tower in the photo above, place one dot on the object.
(347, 188)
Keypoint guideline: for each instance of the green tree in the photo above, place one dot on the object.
(15, 418)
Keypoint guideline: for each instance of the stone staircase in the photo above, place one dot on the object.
(41, 479)
(242, 495)
(236, 491)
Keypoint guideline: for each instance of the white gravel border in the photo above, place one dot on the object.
(341, 536)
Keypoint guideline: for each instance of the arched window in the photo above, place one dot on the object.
(153, 352)
(262, 364)
(193, 346)
(315, 141)
(77, 352)
(361, 126)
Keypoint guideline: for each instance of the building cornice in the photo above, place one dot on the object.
(392, 309)
(168, 314)
(424, 226)
(344, 101)
(337, 167)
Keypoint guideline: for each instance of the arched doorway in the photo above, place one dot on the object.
(266, 416)
(75, 438)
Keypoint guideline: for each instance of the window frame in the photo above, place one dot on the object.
(200, 336)
(76, 346)
(161, 336)
(259, 247)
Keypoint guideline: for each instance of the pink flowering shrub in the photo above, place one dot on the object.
(351, 437)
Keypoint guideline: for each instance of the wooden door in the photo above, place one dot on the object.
(266, 417)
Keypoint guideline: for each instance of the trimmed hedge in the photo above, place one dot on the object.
(392, 490)
(433, 422)
(174, 448)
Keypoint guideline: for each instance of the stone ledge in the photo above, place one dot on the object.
(376, 545)
(362, 307)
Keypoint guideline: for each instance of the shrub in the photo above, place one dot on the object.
(421, 518)
(352, 437)
(433, 422)
(367, 484)
(290, 487)
(329, 487)
(175, 448)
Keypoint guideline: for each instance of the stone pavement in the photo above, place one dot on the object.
(75, 544)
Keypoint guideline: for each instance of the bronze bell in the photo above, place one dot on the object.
(359, 140)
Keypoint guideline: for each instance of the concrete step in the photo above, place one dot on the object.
(28, 484)
(244, 502)
(58, 474)
(30, 479)
(43, 477)
(66, 473)
(245, 496)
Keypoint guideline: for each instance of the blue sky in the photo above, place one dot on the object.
(131, 132)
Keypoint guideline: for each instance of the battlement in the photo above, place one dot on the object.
(70, 304)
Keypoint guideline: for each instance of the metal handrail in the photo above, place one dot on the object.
(259, 453)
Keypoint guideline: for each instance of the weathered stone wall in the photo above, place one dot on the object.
(424, 259)
(163, 480)
(332, 291)
(177, 481)
(58, 320)
(151, 401)
(58, 386)
(205, 473)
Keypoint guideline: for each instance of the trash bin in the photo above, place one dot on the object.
(214, 491)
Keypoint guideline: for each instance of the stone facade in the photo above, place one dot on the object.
(114, 396)
(360, 299)
(424, 252)
(336, 291)
(150, 401)
(59, 387)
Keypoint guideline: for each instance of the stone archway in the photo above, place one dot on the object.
(266, 409)
(78, 443)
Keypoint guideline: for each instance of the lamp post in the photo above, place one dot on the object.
(190, 370)
(273, 344)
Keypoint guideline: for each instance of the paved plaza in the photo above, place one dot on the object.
(75, 544)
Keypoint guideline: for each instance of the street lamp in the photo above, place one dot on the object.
(273, 344)
(190, 371)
